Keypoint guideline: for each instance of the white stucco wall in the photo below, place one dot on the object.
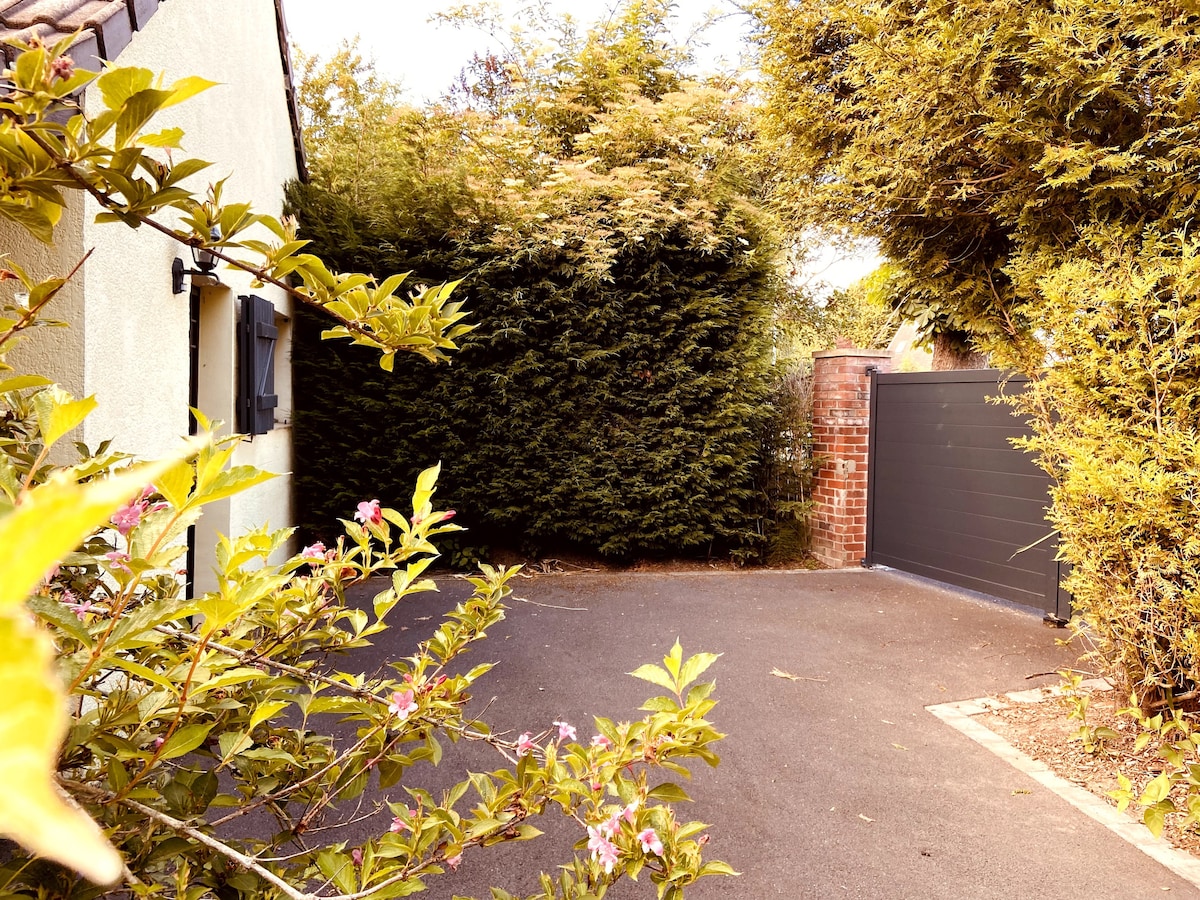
(129, 341)
(54, 352)
(137, 331)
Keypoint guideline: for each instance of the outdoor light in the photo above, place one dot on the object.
(203, 260)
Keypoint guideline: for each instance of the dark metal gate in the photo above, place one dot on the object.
(950, 498)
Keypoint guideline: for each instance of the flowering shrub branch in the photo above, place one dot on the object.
(188, 714)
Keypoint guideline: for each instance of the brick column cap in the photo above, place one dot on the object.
(851, 351)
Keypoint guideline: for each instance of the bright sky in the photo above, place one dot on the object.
(425, 57)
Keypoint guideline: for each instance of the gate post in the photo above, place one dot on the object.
(841, 435)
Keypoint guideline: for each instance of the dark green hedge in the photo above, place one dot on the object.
(621, 416)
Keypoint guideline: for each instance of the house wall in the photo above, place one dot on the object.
(139, 373)
(130, 343)
(54, 352)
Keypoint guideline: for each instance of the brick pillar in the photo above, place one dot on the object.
(841, 416)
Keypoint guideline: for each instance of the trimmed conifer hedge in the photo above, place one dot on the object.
(617, 407)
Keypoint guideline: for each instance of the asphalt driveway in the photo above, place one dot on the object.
(836, 785)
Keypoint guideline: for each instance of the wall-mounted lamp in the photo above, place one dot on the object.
(204, 261)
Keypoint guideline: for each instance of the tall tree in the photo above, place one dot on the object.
(979, 140)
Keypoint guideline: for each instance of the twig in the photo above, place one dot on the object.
(199, 836)
(548, 605)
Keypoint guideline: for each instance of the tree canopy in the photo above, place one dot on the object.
(981, 142)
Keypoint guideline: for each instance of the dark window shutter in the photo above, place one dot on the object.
(256, 366)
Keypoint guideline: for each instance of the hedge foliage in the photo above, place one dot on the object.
(620, 415)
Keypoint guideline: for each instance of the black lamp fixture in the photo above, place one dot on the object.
(204, 261)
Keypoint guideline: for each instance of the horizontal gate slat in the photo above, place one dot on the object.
(1014, 534)
(1031, 487)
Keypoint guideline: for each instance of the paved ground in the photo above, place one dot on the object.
(843, 787)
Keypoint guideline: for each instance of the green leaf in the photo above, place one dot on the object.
(265, 711)
(669, 792)
(426, 485)
(139, 109)
(58, 412)
(655, 675)
(168, 137)
(34, 723)
(118, 85)
(696, 666)
(1155, 818)
(674, 660)
(185, 740)
(716, 867)
(22, 382)
(1156, 790)
(186, 88)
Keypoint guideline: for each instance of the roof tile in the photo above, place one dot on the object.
(107, 26)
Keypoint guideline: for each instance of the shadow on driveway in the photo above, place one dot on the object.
(836, 785)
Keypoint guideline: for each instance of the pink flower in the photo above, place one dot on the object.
(398, 824)
(314, 551)
(627, 812)
(369, 512)
(603, 850)
(80, 609)
(356, 857)
(525, 743)
(402, 704)
(128, 516)
(119, 560)
(611, 825)
(63, 67)
(565, 732)
(599, 740)
(454, 862)
(650, 842)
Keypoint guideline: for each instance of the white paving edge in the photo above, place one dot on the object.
(959, 717)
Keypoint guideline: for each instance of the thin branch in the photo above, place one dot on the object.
(197, 835)
(260, 274)
(30, 314)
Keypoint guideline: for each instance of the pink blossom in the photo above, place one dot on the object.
(611, 825)
(628, 811)
(603, 850)
(314, 551)
(402, 704)
(158, 742)
(599, 740)
(80, 609)
(119, 560)
(369, 512)
(356, 857)
(650, 842)
(63, 67)
(128, 516)
(454, 862)
(525, 743)
(398, 824)
(565, 732)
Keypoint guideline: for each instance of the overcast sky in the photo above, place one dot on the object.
(426, 57)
